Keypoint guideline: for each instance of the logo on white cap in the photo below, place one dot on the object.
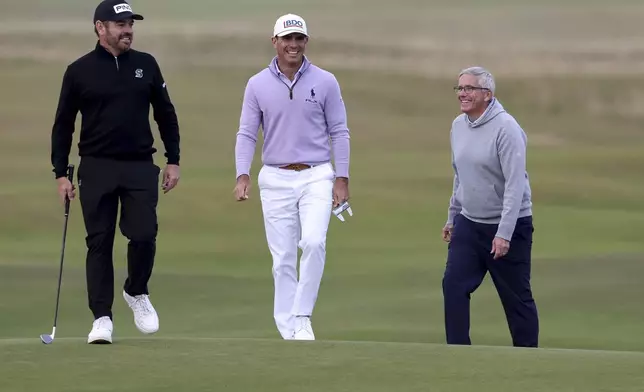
(289, 24)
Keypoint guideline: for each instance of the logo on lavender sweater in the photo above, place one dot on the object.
(311, 98)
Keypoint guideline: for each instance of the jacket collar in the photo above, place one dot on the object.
(103, 53)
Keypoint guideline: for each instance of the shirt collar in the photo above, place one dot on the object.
(275, 69)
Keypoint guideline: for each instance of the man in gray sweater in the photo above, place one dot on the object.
(489, 225)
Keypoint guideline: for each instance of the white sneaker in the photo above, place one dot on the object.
(145, 316)
(101, 332)
(303, 329)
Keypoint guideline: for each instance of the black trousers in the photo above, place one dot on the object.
(468, 261)
(102, 184)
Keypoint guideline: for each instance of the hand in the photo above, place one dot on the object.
(170, 177)
(500, 247)
(447, 232)
(66, 190)
(340, 191)
(242, 187)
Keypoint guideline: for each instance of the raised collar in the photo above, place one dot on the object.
(275, 69)
(102, 52)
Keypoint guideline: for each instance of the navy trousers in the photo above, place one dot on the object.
(468, 261)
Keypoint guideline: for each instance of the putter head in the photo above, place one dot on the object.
(337, 211)
(46, 338)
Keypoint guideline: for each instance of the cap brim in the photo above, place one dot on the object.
(128, 16)
(291, 31)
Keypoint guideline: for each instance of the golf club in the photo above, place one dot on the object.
(341, 208)
(46, 338)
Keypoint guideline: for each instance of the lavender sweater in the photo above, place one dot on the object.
(298, 119)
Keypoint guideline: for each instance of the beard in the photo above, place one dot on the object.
(122, 42)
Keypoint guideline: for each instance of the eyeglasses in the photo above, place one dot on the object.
(468, 89)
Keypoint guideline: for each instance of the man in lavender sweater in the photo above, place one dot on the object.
(489, 225)
(303, 117)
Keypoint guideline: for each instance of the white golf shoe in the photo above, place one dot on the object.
(101, 332)
(303, 329)
(145, 316)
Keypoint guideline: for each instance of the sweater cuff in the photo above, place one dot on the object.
(60, 172)
(173, 160)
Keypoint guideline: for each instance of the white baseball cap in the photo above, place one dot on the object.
(289, 24)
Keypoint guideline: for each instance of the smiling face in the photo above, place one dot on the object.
(473, 98)
(116, 36)
(290, 48)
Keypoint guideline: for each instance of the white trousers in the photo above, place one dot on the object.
(296, 208)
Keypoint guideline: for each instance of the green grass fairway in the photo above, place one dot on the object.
(569, 71)
(266, 365)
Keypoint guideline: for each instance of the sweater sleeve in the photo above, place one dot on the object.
(165, 116)
(336, 118)
(454, 205)
(511, 145)
(64, 122)
(249, 122)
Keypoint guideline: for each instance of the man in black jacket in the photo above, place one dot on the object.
(112, 87)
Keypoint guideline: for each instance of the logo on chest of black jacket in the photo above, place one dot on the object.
(311, 97)
(138, 73)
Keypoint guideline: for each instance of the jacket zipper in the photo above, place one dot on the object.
(117, 63)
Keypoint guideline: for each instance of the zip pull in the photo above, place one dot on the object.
(290, 89)
(117, 63)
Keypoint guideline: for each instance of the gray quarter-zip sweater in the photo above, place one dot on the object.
(491, 183)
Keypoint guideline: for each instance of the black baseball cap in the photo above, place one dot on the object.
(114, 10)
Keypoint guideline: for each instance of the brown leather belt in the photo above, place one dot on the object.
(296, 166)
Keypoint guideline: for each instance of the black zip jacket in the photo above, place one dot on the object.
(113, 95)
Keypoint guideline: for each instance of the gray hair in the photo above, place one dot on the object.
(484, 77)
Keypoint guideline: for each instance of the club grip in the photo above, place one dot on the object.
(70, 177)
(70, 173)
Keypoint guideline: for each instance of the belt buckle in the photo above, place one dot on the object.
(296, 167)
